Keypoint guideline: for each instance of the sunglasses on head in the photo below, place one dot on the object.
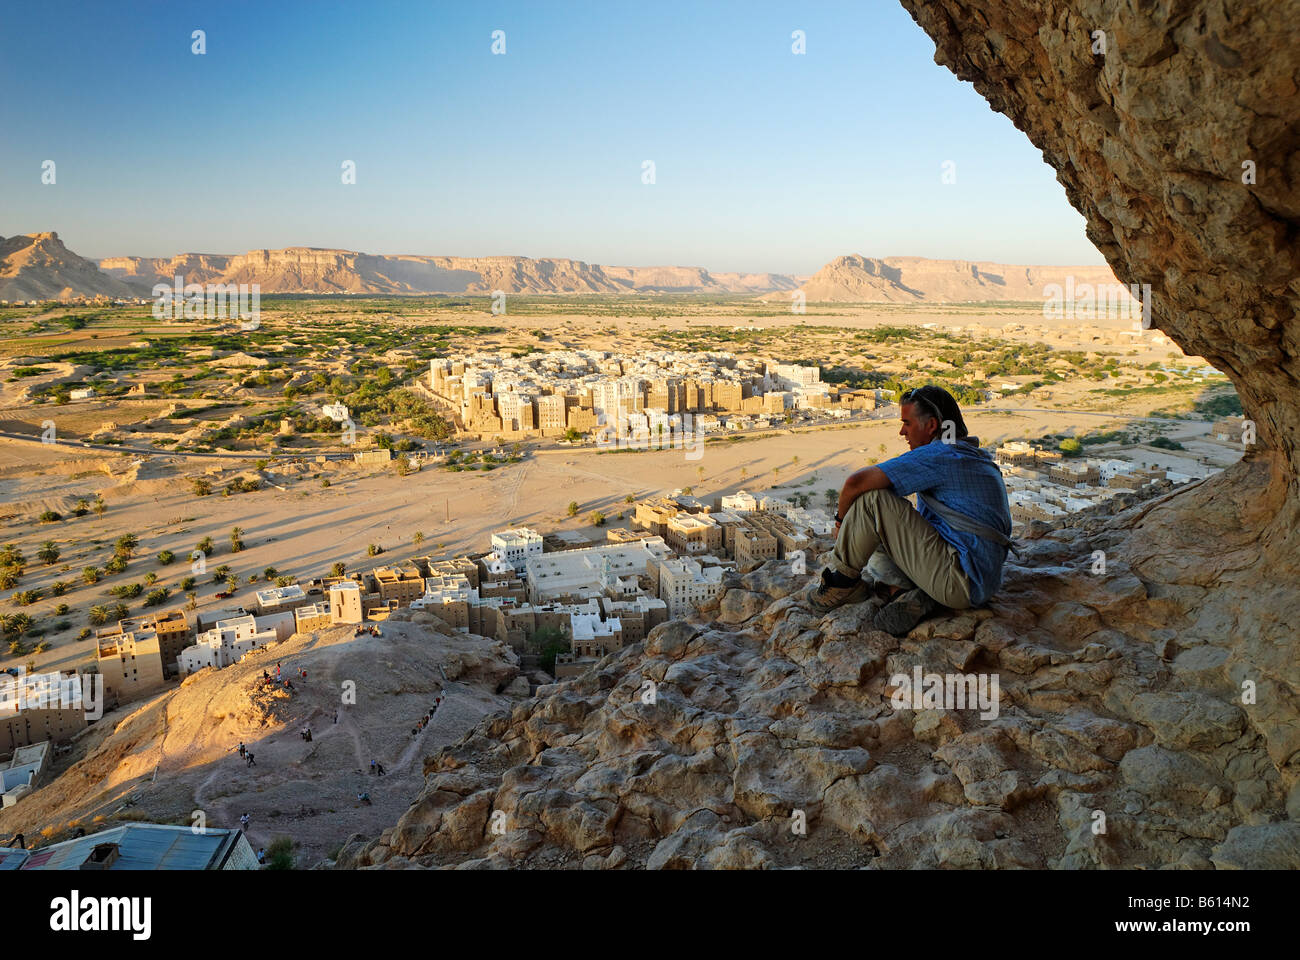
(915, 396)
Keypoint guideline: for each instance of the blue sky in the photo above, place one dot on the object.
(764, 160)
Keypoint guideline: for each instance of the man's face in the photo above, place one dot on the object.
(919, 427)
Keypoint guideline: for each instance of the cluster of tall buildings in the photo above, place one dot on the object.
(548, 393)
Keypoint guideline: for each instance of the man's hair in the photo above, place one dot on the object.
(938, 403)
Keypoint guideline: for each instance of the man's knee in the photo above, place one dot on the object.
(872, 499)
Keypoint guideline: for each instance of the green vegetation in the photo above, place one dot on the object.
(548, 642)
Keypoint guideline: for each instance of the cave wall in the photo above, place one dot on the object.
(1149, 139)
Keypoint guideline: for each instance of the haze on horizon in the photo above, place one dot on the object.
(764, 160)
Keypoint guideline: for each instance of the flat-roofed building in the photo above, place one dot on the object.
(638, 615)
(788, 537)
(653, 514)
(345, 602)
(401, 582)
(693, 534)
(752, 545)
(550, 413)
(594, 571)
(1074, 474)
(462, 566)
(225, 644)
(131, 664)
(281, 599)
(740, 502)
(517, 546)
(684, 584)
(312, 617)
(448, 598)
(40, 706)
(171, 627)
(592, 637)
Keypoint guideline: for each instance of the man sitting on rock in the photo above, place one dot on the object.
(948, 551)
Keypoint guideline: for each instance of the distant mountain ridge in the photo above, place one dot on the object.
(39, 266)
(860, 279)
(318, 270)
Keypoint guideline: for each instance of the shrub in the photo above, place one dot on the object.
(49, 516)
(166, 557)
(157, 597)
(279, 854)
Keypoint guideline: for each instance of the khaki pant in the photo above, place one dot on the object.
(884, 534)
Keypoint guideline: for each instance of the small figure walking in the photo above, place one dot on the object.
(336, 715)
(261, 855)
(243, 821)
(241, 748)
(372, 766)
(251, 761)
(380, 768)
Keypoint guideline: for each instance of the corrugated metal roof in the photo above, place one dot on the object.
(13, 858)
(141, 846)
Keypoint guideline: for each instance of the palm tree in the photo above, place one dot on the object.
(8, 578)
(205, 546)
(338, 569)
(90, 574)
(232, 583)
(418, 538)
(49, 552)
(126, 545)
(120, 611)
(11, 556)
(100, 506)
(82, 508)
(699, 472)
(98, 615)
(236, 544)
(192, 601)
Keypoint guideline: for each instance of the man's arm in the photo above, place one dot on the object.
(858, 483)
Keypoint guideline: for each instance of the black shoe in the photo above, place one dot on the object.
(826, 595)
(905, 611)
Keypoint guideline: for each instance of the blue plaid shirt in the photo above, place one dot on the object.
(963, 477)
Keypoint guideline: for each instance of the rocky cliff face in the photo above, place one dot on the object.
(856, 278)
(757, 735)
(1153, 140)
